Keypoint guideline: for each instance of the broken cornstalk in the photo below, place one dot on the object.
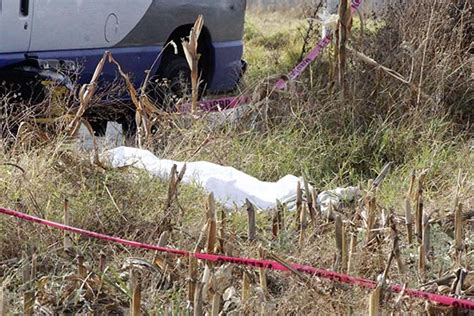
(192, 278)
(198, 302)
(408, 210)
(303, 224)
(352, 250)
(344, 24)
(212, 228)
(310, 201)
(374, 301)
(222, 232)
(190, 47)
(419, 208)
(67, 242)
(371, 206)
(29, 294)
(159, 258)
(3, 302)
(262, 273)
(135, 287)
(341, 256)
(299, 205)
(458, 233)
(252, 225)
(245, 287)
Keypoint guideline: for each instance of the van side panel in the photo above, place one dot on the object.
(223, 18)
(15, 27)
(134, 31)
(73, 24)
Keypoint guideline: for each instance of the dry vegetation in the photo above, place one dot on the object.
(420, 120)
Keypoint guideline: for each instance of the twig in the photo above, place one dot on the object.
(115, 203)
(392, 73)
(278, 259)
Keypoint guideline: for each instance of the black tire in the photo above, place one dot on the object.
(172, 82)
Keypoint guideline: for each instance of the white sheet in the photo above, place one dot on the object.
(230, 186)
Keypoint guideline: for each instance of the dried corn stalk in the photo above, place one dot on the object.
(67, 242)
(212, 229)
(419, 207)
(299, 205)
(458, 233)
(344, 26)
(135, 287)
(408, 209)
(252, 224)
(262, 272)
(3, 301)
(245, 287)
(371, 206)
(144, 107)
(192, 278)
(86, 93)
(341, 244)
(374, 301)
(192, 56)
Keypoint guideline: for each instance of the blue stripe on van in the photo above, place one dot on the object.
(136, 60)
(7, 59)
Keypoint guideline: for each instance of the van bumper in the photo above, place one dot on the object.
(228, 66)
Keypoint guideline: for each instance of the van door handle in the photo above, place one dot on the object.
(24, 7)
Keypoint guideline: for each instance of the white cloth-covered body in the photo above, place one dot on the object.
(337, 196)
(230, 186)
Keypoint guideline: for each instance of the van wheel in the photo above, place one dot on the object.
(172, 83)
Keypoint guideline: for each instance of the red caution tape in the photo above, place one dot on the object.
(266, 264)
